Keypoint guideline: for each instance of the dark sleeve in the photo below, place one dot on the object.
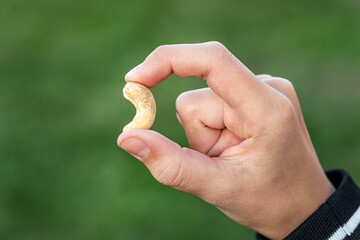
(338, 218)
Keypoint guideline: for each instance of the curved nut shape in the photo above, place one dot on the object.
(144, 102)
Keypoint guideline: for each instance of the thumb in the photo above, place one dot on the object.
(181, 168)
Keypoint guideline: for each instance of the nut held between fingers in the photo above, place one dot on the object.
(144, 102)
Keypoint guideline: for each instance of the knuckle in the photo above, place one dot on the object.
(170, 175)
(286, 85)
(285, 111)
(185, 103)
(169, 180)
(264, 77)
(218, 49)
(160, 50)
(217, 44)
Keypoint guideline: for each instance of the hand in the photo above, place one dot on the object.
(251, 155)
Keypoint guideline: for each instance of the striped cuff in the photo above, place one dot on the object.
(338, 218)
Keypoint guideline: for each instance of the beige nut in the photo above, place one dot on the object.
(144, 102)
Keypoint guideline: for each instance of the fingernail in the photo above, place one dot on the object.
(135, 147)
(131, 75)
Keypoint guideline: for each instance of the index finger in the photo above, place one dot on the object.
(225, 74)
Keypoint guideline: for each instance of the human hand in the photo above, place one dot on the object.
(251, 155)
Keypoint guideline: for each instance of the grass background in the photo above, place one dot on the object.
(61, 76)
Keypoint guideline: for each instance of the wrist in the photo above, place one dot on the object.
(290, 213)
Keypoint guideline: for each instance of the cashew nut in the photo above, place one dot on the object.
(144, 102)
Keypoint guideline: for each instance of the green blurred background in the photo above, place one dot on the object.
(61, 77)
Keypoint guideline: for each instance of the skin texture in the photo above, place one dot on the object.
(144, 102)
(251, 155)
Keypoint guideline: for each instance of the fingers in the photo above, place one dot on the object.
(224, 73)
(181, 168)
(263, 76)
(286, 88)
(200, 112)
(202, 123)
